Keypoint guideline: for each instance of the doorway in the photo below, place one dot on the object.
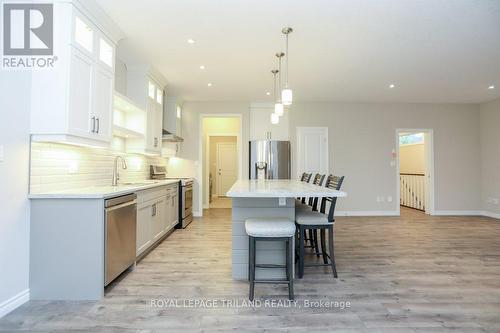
(221, 155)
(312, 150)
(415, 170)
(223, 164)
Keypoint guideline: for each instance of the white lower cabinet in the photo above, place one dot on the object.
(158, 225)
(143, 227)
(157, 214)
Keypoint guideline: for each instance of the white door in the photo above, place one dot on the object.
(312, 150)
(227, 166)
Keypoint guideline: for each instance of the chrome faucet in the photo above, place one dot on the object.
(116, 175)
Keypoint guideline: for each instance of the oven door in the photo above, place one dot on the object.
(187, 196)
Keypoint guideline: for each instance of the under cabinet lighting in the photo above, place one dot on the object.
(202, 67)
(491, 87)
(392, 85)
(190, 41)
(210, 84)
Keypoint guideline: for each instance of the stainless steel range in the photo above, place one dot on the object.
(185, 194)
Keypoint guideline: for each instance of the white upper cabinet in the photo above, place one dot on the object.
(83, 34)
(147, 92)
(261, 127)
(106, 53)
(73, 101)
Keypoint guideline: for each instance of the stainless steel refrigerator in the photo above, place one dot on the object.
(269, 159)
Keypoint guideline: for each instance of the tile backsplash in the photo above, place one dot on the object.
(56, 167)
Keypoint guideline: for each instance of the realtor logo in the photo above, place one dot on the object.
(28, 29)
(28, 36)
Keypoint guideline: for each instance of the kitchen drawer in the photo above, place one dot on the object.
(151, 194)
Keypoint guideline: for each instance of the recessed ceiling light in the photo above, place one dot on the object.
(190, 41)
(202, 66)
(491, 87)
(209, 84)
(392, 85)
(268, 93)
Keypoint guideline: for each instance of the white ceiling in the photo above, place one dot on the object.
(340, 50)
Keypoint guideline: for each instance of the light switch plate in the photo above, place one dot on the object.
(282, 201)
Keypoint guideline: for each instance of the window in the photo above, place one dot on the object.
(84, 35)
(105, 52)
(411, 139)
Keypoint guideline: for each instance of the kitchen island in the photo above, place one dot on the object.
(265, 198)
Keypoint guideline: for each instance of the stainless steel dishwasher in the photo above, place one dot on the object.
(120, 235)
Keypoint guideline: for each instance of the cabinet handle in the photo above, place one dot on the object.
(93, 124)
(97, 130)
(153, 210)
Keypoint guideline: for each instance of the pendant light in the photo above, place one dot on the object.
(286, 94)
(275, 118)
(279, 109)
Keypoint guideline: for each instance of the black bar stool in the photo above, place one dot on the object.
(270, 229)
(319, 221)
(312, 205)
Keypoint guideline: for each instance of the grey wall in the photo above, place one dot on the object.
(361, 139)
(15, 88)
(490, 155)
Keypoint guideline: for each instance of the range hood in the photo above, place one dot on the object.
(171, 120)
(169, 137)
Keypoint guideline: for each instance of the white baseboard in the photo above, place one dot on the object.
(367, 213)
(14, 302)
(458, 213)
(490, 214)
(197, 214)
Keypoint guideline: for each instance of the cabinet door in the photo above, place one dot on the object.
(175, 209)
(80, 105)
(103, 103)
(144, 239)
(158, 219)
(261, 127)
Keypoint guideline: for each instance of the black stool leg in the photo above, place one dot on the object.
(289, 268)
(332, 255)
(251, 253)
(311, 238)
(323, 246)
(315, 240)
(302, 235)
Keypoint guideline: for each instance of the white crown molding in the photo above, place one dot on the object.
(14, 302)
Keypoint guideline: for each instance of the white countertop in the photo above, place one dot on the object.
(102, 192)
(275, 188)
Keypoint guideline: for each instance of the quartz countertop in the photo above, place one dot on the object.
(279, 188)
(102, 192)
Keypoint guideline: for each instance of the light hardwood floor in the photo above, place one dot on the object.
(401, 274)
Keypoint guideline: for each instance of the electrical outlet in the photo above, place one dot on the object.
(380, 199)
(389, 199)
(282, 201)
